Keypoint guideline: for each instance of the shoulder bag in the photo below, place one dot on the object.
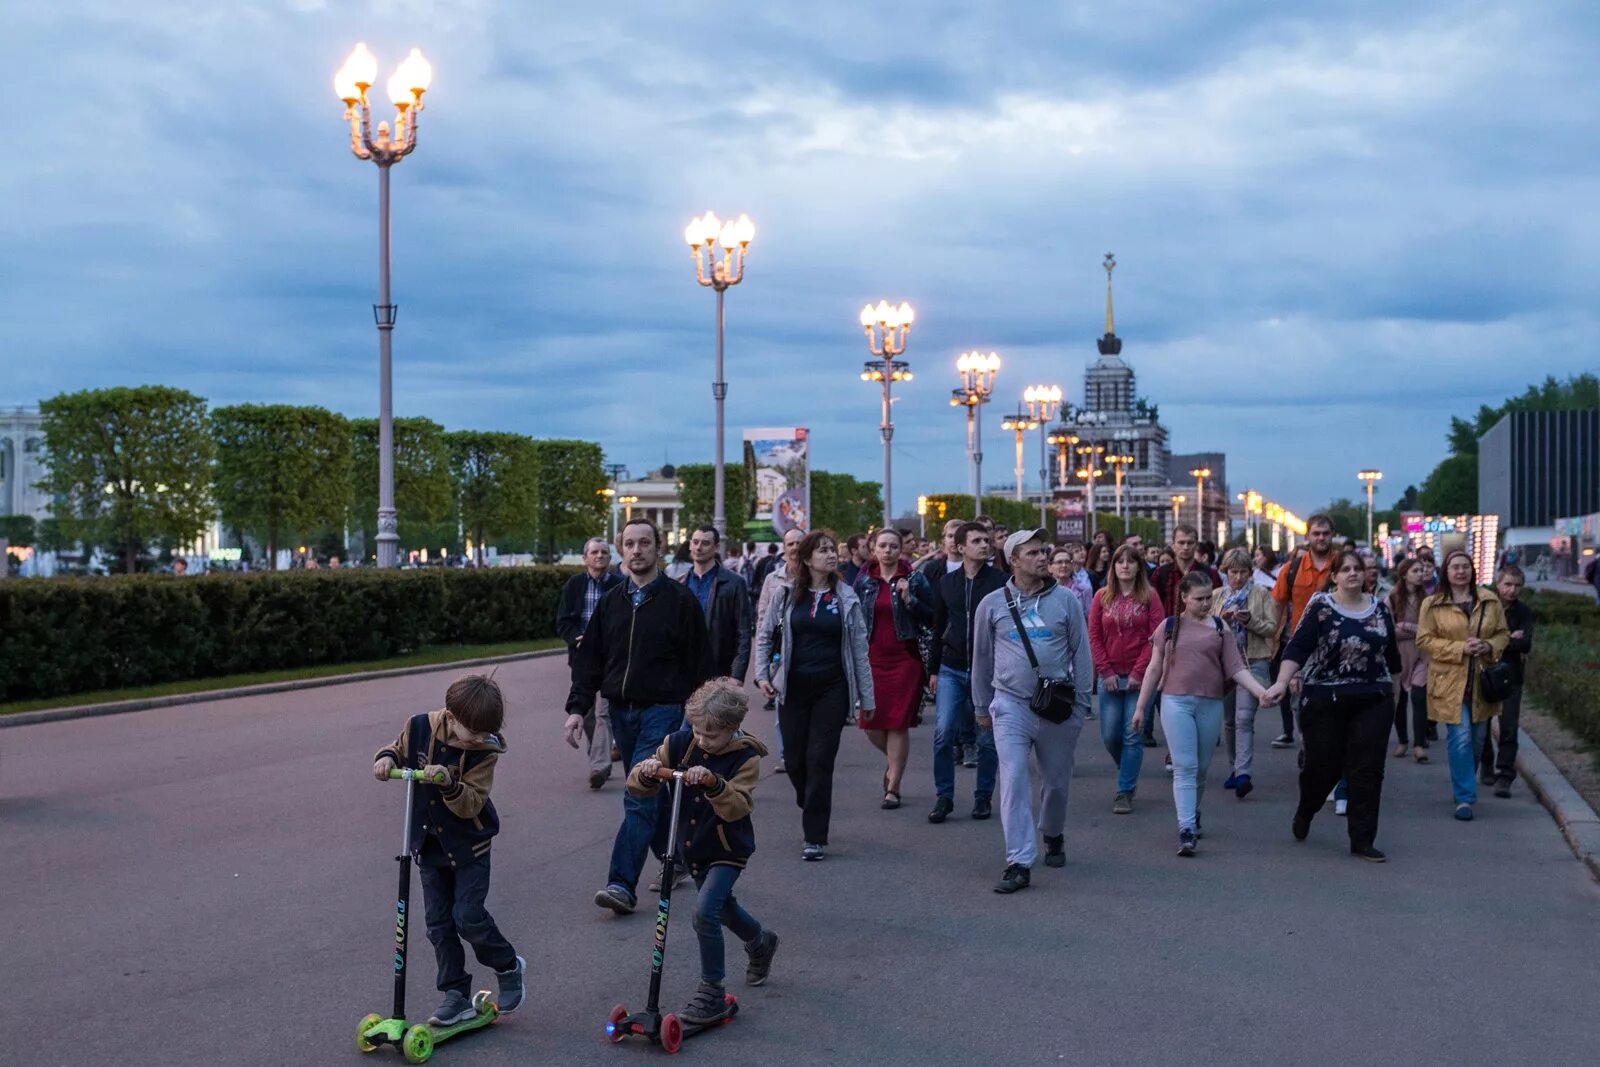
(1053, 698)
(1494, 680)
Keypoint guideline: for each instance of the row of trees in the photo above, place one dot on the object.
(839, 502)
(132, 467)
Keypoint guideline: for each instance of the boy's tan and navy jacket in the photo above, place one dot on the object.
(460, 817)
(714, 823)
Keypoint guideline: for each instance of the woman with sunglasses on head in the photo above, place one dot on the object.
(1462, 630)
(1346, 653)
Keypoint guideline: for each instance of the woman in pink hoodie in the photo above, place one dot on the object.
(1121, 619)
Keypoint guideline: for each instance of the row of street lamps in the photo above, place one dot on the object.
(887, 328)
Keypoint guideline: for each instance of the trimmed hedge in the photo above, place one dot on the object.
(62, 636)
(1563, 671)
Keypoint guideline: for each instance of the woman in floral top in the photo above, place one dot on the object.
(1345, 655)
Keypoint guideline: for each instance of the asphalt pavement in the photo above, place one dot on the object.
(214, 884)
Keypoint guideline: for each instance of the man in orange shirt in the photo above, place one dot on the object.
(1299, 579)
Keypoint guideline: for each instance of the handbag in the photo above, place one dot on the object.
(1494, 680)
(1053, 698)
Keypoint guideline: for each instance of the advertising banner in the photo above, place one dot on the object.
(777, 478)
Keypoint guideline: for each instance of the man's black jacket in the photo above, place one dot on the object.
(1518, 617)
(956, 598)
(727, 623)
(656, 653)
(569, 608)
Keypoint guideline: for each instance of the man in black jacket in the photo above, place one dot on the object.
(957, 595)
(579, 597)
(1501, 769)
(645, 651)
(725, 599)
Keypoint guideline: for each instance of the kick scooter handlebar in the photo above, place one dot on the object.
(401, 774)
(667, 774)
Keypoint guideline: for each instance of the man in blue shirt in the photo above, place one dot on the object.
(725, 599)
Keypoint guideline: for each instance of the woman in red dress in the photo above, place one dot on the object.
(894, 608)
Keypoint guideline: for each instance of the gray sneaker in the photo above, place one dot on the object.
(709, 1004)
(512, 989)
(1122, 804)
(760, 952)
(616, 898)
(1186, 843)
(680, 875)
(455, 1009)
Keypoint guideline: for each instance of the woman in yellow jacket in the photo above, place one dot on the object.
(1461, 629)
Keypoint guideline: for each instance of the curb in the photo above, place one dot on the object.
(117, 707)
(1578, 822)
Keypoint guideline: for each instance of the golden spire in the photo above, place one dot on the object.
(1110, 265)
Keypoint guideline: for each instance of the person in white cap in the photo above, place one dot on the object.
(1031, 676)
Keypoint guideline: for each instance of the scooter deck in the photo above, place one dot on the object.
(444, 1033)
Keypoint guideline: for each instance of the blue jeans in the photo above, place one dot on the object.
(639, 731)
(453, 906)
(1192, 725)
(1465, 741)
(954, 704)
(715, 908)
(1119, 736)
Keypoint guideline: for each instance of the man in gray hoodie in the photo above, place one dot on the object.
(1003, 680)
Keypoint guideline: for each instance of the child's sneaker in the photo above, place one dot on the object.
(709, 1003)
(760, 951)
(455, 1009)
(511, 987)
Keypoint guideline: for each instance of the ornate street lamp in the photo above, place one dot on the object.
(977, 370)
(703, 235)
(1063, 443)
(385, 148)
(1089, 475)
(887, 329)
(1118, 464)
(1020, 423)
(1177, 501)
(1370, 477)
(1043, 401)
(1200, 474)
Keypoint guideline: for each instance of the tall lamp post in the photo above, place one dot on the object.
(1043, 401)
(977, 370)
(887, 328)
(1200, 474)
(628, 502)
(703, 235)
(386, 148)
(922, 516)
(1370, 477)
(1177, 502)
(610, 495)
(1063, 444)
(1089, 474)
(1019, 422)
(1119, 463)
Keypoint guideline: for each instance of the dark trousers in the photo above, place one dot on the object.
(453, 901)
(1402, 706)
(811, 720)
(1419, 716)
(1504, 763)
(715, 908)
(1345, 737)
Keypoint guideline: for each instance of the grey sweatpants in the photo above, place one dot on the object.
(1019, 733)
(597, 726)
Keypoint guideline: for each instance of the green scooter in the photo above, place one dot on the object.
(415, 1042)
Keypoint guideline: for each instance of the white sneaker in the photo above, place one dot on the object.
(1341, 806)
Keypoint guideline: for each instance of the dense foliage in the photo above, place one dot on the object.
(1563, 672)
(79, 635)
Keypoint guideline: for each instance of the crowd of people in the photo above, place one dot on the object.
(1015, 640)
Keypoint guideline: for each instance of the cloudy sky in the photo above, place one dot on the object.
(1337, 223)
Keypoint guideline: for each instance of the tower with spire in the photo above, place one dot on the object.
(1108, 385)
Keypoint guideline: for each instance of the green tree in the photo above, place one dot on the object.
(1452, 488)
(697, 491)
(421, 482)
(282, 471)
(844, 504)
(18, 530)
(494, 477)
(568, 480)
(128, 466)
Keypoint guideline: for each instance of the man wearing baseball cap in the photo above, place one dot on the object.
(1004, 680)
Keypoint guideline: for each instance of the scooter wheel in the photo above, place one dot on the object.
(671, 1034)
(362, 1044)
(417, 1044)
(614, 1028)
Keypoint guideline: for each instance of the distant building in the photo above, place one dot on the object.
(1535, 467)
(660, 499)
(22, 463)
(1115, 419)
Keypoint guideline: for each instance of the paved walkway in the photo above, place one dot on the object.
(213, 884)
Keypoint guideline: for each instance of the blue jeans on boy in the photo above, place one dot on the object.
(453, 906)
(1192, 725)
(954, 707)
(1119, 736)
(1465, 740)
(715, 908)
(639, 731)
